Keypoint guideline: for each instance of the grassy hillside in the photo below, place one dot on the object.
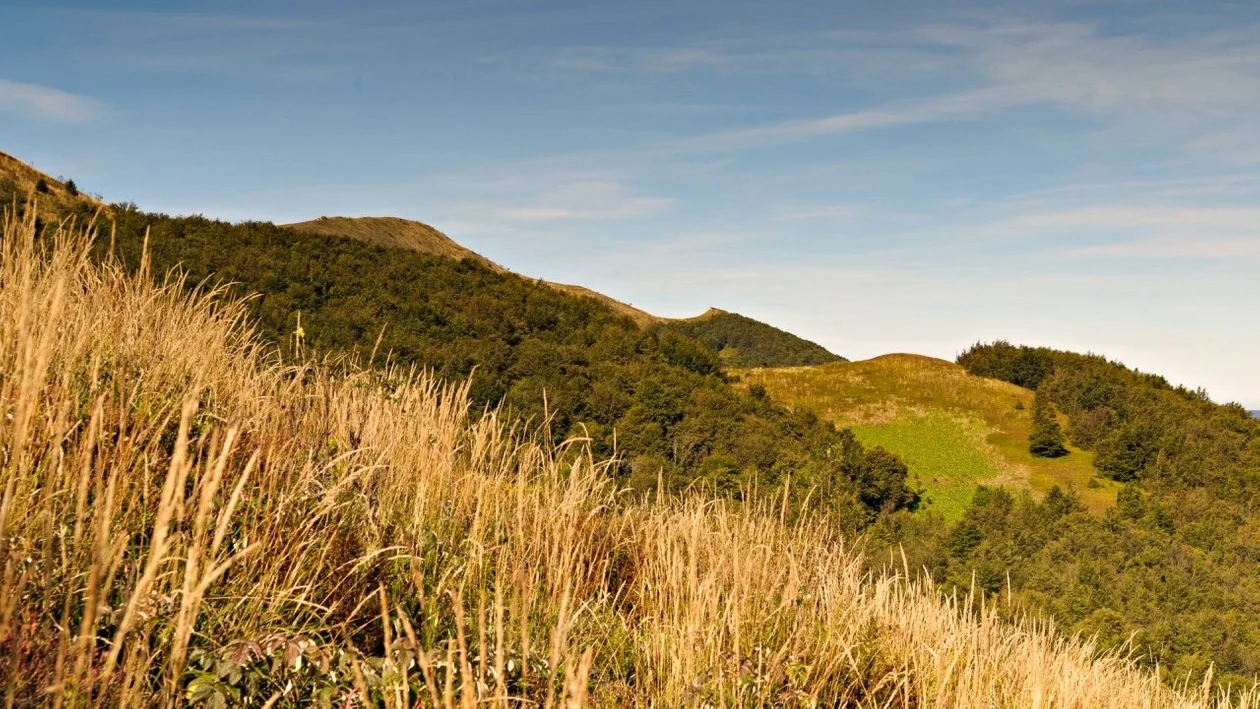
(1169, 568)
(187, 520)
(20, 182)
(954, 430)
(743, 342)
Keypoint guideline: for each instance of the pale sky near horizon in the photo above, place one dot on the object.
(877, 177)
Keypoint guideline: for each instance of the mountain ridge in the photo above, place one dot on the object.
(739, 341)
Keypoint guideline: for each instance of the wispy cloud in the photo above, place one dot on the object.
(1076, 64)
(48, 103)
(826, 211)
(1165, 248)
(1147, 217)
(910, 113)
(1208, 88)
(571, 200)
(1148, 231)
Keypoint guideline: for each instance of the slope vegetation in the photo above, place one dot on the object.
(743, 342)
(395, 233)
(187, 520)
(20, 182)
(739, 341)
(954, 430)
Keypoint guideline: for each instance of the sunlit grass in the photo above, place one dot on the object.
(945, 455)
(954, 431)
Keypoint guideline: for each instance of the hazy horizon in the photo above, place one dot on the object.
(915, 178)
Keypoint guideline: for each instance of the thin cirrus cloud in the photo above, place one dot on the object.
(43, 102)
(825, 212)
(1226, 233)
(940, 108)
(1147, 217)
(1210, 87)
(1237, 248)
(574, 200)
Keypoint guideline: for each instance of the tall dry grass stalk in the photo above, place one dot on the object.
(185, 519)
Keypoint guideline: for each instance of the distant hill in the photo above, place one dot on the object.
(743, 342)
(1255, 414)
(954, 430)
(739, 341)
(395, 233)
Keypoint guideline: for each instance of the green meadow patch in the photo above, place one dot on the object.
(954, 430)
(946, 455)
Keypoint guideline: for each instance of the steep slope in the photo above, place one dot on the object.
(20, 181)
(743, 342)
(954, 430)
(557, 356)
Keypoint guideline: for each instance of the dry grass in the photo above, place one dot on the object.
(186, 520)
(23, 178)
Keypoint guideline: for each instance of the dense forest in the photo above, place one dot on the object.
(742, 342)
(656, 400)
(1175, 564)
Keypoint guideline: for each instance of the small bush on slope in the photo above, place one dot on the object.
(184, 519)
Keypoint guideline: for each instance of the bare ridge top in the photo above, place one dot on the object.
(395, 233)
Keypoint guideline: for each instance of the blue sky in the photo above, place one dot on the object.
(878, 177)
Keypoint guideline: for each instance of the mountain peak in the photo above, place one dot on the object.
(393, 232)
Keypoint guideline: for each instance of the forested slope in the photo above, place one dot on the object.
(1175, 564)
(741, 341)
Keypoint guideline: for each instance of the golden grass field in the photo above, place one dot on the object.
(954, 430)
(185, 519)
